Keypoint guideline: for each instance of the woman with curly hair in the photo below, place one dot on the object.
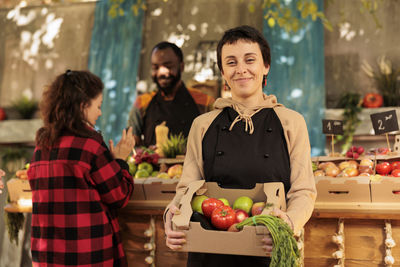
(77, 182)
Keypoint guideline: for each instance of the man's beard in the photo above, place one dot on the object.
(168, 89)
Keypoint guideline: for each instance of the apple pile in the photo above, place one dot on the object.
(354, 152)
(348, 168)
(220, 213)
(388, 169)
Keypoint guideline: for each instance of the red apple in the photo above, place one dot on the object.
(257, 208)
(240, 215)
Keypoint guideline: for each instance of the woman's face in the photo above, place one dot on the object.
(93, 111)
(243, 69)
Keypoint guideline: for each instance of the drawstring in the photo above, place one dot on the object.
(247, 118)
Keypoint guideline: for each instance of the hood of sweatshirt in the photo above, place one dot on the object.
(245, 113)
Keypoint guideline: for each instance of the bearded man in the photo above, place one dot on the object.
(172, 102)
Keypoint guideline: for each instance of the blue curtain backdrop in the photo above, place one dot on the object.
(114, 56)
(297, 72)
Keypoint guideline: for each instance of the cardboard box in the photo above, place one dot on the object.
(386, 190)
(159, 188)
(343, 189)
(138, 191)
(19, 189)
(246, 242)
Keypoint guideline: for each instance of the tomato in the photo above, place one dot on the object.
(2, 114)
(395, 165)
(396, 173)
(240, 215)
(243, 203)
(223, 217)
(372, 100)
(209, 205)
(383, 168)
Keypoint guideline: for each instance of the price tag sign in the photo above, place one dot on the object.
(385, 122)
(334, 127)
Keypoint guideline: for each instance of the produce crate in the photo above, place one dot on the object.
(138, 190)
(343, 189)
(386, 190)
(246, 242)
(159, 188)
(19, 189)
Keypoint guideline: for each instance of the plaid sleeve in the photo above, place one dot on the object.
(112, 179)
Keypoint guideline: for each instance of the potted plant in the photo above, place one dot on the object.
(26, 107)
(386, 80)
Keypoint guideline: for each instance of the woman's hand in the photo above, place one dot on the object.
(267, 240)
(174, 239)
(125, 145)
(283, 215)
(2, 173)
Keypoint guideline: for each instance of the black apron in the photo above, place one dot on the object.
(236, 159)
(179, 114)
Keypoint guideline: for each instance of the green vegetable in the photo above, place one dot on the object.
(175, 145)
(285, 252)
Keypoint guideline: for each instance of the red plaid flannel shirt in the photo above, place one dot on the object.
(76, 188)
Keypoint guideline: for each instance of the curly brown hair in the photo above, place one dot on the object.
(62, 106)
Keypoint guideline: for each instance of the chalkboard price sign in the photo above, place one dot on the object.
(334, 127)
(385, 122)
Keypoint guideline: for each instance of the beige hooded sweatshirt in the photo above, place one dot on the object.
(301, 196)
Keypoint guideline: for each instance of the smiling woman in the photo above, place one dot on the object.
(274, 145)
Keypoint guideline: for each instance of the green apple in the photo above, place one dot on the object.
(154, 174)
(225, 201)
(243, 203)
(163, 175)
(142, 174)
(146, 166)
(196, 203)
(132, 168)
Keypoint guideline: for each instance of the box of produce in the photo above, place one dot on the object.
(19, 189)
(386, 186)
(343, 180)
(160, 188)
(138, 189)
(343, 189)
(209, 215)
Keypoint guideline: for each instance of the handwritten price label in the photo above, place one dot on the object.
(385, 122)
(334, 127)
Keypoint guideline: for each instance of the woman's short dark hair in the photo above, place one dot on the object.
(174, 47)
(62, 105)
(244, 32)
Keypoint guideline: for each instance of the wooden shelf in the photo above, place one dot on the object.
(14, 208)
(354, 210)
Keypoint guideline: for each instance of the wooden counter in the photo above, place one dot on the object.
(141, 224)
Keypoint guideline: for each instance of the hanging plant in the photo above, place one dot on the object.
(351, 103)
